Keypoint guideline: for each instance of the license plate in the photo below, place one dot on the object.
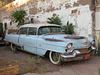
(87, 57)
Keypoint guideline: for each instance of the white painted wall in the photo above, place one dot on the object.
(82, 19)
(97, 22)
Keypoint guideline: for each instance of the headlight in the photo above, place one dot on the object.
(69, 46)
(92, 43)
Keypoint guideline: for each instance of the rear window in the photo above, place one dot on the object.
(49, 30)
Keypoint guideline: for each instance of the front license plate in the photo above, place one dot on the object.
(87, 57)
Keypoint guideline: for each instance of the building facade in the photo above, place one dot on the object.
(97, 19)
(7, 1)
(79, 12)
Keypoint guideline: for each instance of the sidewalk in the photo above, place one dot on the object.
(81, 69)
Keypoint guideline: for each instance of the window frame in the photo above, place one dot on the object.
(31, 27)
(45, 26)
(18, 32)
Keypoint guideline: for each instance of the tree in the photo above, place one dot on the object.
(18, 16)
(68, 28)
(54, 20)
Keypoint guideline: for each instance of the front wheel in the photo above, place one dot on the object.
(55, 58)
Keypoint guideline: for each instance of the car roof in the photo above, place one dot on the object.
(37, 25)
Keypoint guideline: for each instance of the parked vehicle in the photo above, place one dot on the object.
(42, 39)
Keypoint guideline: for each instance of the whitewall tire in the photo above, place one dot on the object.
(55, 58)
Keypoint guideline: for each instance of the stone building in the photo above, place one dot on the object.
(79, 12)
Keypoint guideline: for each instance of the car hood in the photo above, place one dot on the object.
(78, 41)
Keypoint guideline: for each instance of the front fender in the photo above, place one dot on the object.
(44, 45)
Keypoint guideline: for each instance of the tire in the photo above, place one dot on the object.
(55, 58)
(13, 46)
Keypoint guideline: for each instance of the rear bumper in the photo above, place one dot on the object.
(77, 55)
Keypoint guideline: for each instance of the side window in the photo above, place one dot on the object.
(32, 31)
(23, 31)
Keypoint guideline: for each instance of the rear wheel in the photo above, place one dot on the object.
(13, 46)
(55, 58)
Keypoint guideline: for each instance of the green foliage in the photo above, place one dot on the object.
(69, 28)
(54, 20)
(27, 69)
(99, 70)
(15, 51)
(44, 68)
(18, 16)
(38, 59)
(30, 59)
(34, 59)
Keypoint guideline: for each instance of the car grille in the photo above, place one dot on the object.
(83, 50)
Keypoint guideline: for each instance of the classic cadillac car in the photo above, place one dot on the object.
(42, 39)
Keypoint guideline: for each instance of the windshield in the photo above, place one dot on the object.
(50, 30)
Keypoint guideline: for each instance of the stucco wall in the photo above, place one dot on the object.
(97, 20)
(78, 12)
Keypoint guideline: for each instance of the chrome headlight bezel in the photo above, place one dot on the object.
(70, 46)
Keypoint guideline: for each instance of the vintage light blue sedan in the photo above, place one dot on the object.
(42, 39)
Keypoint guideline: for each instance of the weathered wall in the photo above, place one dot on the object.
(78, 12)
(6, 1)
(97, 17)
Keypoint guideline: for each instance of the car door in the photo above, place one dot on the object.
(22, 35)
(30, 40)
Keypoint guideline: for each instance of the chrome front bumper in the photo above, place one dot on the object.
(76, 54)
